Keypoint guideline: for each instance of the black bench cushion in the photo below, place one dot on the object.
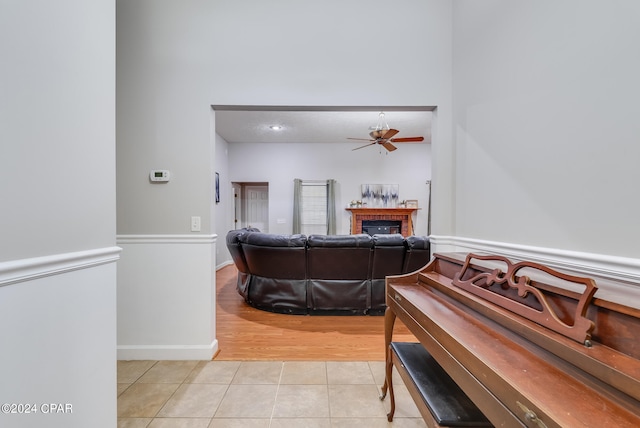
(448, 404)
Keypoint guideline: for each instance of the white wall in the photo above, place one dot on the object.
(166, 313)
(279, 164)
(176, 59)
(57, 222)
(224, 210)
(546, 99)
(164, 121)
(164, 70)
(338, 52)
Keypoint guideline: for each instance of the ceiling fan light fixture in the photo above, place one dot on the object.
(382, 135)
(382, 123)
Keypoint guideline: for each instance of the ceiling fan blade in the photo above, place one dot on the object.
(366, 145)
(390, 133)
(407, 140)
(383, 134)
(361, 139)
(389, 146)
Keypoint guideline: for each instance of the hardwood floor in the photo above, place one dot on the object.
(246, 333)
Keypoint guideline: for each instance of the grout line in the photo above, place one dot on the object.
(275, 400)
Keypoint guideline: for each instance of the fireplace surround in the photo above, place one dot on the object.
(402, 215)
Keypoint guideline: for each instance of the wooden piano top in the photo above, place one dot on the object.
(565, 362)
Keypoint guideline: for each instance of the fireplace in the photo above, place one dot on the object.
(381, 227)
(396, 215)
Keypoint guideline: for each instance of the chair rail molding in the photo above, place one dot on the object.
(166, 239)
(23, 270)
(618, 278)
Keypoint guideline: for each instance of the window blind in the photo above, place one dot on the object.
(313, 208)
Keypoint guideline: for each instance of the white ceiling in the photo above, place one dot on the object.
(317, 124)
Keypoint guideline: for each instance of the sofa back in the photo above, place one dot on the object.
(321, 273)
(275, 256)
(233, 245)
(418, 253)
(339, 256)
(388, 256)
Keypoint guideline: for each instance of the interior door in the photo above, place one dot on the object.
(236, 191)
(257, 207)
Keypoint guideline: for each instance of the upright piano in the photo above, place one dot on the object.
(529, 345)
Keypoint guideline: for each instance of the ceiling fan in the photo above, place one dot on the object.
(383, 135)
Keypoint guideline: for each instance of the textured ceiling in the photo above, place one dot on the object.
(316, 125)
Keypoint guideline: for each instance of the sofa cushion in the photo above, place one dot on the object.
(273, 240)
(340, 257)
(418, 253)
(331, 241)
(275, 256)
(389, 240)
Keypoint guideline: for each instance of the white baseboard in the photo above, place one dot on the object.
(168, 352)
(617, 277)
(224, 264)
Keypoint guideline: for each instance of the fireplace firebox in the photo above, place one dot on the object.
(386, 227)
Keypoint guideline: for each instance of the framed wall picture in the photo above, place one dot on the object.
(217, 184)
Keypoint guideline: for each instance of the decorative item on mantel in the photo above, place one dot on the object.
(357, 204)
(379, 195)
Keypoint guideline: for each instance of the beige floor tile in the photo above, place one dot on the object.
(304, 373)
(405, 406)
(220, 372)
(377, 423)
(122, 387)
(144, 400)
(378, 371)
(248, 401)
(168, 372)
(302, 401)
(133, 422)
(194, 400)
(239, 423)
(355, 401)
(180, 423)
(409, 423)
(258, 373)
(302, 423)
(130, 371)
(349, 373)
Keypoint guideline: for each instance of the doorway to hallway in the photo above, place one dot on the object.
(251, 205)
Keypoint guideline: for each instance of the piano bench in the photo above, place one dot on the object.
(447, 404)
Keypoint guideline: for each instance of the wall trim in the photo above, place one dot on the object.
(612, 267)
(167, 352)
(166, 239)
(23, 270)
(617, 277)
(224, 264)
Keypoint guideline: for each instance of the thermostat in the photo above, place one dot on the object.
(161, 175)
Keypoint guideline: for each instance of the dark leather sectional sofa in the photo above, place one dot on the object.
(321, 274)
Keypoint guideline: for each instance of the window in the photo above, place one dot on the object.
(313, 208)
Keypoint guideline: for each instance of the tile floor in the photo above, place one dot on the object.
(258, 394)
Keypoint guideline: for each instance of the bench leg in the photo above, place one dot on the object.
(389, 321)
